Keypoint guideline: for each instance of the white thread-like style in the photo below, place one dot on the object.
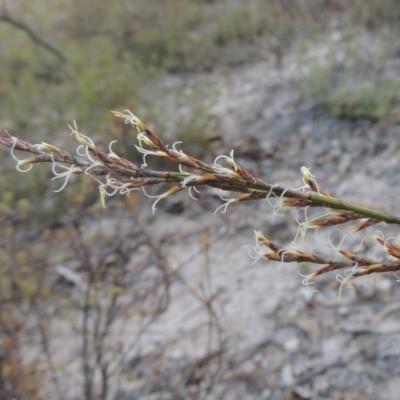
(344, 238)
(94, 165)
(184, 183)
(122, 188)
(85, 142)
(111, 154)
(375, 257)
(306, 281)
(255, 256)
(81, 138)
(229, 159)
(359, 247)
(142, 137)
(278, 205)
(385, 246)
(396, 276)
(179, 153)
(157, 197)
(57, 175)
(387, 240)
(191, 194)
(302, 226)
(147, 152)
(257, 248)
(224, 206)
(19, 162)
(130, 118)
(282, 256)
(343, 281)
(191, 178)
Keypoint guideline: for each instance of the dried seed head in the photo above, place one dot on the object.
(47, 146)
(130, 118)
(309, 179)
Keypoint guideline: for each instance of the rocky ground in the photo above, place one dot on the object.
(233, 330)
(276, 338)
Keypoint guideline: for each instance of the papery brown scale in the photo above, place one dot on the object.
(309, 257)
(253, 196)
(319, 222)
(323, 270)
(392, 249)
(287, 257)
(374, 268)
(245, 175)
(318, 259)
(31, 160)
(350, 215)
(313, 186)
(303, 257)
(264, 240)
(378, 268)
(157, 142)
(379, 240)
(394, 253)
(106, 158)
(333, 266)
(283, 257)
(293, 202)
(274, 247)
(346, 253)
(271, 256)
(363, 225)
(243, 197)
(329, 221)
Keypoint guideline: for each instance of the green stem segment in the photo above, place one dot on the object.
(342, 205)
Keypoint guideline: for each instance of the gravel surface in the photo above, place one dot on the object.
(235, 329)
(280, 340)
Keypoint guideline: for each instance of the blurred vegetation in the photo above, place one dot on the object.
(358, 76)
(356, 90)
(113, 50)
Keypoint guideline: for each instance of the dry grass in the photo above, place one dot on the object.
(117, 175)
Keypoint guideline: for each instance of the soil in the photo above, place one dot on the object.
(281, 340)
(273, 337)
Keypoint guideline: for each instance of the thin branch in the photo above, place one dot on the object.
(117, 175)
(33, 36)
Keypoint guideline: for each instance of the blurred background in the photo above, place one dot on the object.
(119, 303)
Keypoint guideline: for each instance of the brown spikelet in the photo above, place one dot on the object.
(366, 224)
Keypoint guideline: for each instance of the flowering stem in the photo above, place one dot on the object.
(342, 205)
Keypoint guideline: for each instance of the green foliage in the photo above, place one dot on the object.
(114, 48)
(167, 38)
(375, 13)
(351, 92)
(363, 83)
(103, 81)
(379, 101)
(193, 131)
(242, 24)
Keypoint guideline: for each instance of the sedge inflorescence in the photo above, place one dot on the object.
(117, 175)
